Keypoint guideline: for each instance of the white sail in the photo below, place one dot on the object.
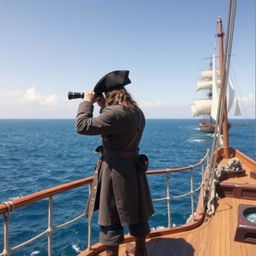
(210, 80)
(215, 91)
(204, 84)
(201, 107)
(207, 74)
(231, 95)
(215, 98)
(237, 109)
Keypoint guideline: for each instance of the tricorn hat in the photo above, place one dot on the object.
(111, 81)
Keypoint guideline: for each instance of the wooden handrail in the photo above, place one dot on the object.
(25, 200)
(28, 199)
(172, 170)
(251, 163)
(168, 170)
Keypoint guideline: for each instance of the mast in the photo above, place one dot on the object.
(224, 118)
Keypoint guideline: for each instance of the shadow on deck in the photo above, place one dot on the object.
(169, 246)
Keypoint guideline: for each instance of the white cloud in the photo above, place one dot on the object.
(51, 100)
(31, 95)
(31, 103)
(153, 104)
(10, 93)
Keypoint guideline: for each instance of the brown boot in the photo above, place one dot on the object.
(140, 246)
(139, 249)
(112, 250)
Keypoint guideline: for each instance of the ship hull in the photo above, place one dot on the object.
(208, 127)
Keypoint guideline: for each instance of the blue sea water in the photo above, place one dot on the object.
(38, 154)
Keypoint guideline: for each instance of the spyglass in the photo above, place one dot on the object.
(75, 95)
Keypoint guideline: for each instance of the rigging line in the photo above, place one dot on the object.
(226, 62)
(230, 34)
(215, 43)
(233, 75)
(228, 44)
(229, 41)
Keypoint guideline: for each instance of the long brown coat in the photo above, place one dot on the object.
(120, 189)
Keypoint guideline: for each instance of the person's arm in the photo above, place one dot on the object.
(105, 123)
(86, 124)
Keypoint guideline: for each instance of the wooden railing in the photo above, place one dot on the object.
(8, 208)
(203, 163)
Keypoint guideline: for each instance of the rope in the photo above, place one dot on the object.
(234, 165)
(10, 205)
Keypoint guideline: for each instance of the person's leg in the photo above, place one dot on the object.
(140, 246)
(111, 250)
(140, 231)
(111, 237)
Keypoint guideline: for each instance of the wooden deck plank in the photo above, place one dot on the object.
(217, 232)
(228, 237)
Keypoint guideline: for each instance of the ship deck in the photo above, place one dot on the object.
(215, 236)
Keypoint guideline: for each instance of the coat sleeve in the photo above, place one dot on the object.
(88, 125)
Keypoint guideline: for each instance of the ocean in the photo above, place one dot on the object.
(38, 154)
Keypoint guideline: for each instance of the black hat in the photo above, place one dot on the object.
(113, 80)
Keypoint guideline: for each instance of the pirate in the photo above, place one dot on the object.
(120, 189)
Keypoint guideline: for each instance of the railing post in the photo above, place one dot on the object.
(208, 157)
(50, 228)
(168, 198)
(89, 242)
(205, 165)
(192, 192)
(6, 250)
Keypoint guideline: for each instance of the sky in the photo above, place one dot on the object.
(48, 48)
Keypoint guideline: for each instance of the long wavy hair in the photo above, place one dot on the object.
(120, 97)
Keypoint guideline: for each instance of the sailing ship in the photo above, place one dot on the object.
(206, 108)
(223, 223)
